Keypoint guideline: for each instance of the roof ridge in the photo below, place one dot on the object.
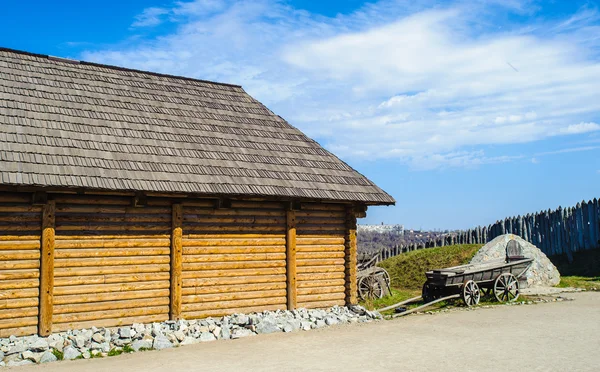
(113, 67)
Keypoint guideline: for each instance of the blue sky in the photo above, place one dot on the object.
(465, 111)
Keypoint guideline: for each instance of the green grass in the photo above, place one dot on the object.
(115, 351)
(128, 349)
(407, 271)
(58, 354)
(583, 282)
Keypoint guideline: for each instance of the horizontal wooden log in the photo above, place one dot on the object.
(110, 278)
(110, 261)
(335, 215)
(257, 205)
(114, 322)
(241, 220)
(309, 277)
(122, 237)
(19, 331)
(100, 218)
(190, 203)
(15, 197)
(62, 210)
(216, 289)
(307, 221)
(319, 255)
(205, 266)
(235, 228)
(19, 245)
(111, 252)
(322, 207)
(100, 297)
(19, 274)
(22, 228)
(321, 304)
(234, 249)
(335, 228)
(320, 269)
(321, 248)
(321, 283)
(246, 257)
(110, 305)
(108, 314)
(190, 213)
(16, 303)
(19, 255)
(321, 262)
(189, 240)
(97, 229)
(32, 218)
(112, 243)
(18, 322)
(323, 240)
(92, 199)
(233, 304)
(321, 290)
(18, 313)
(19, 264)
(232, 296)
(217, 282)
(20, 208)
(192, 274)
(110, 288)
(322, 297)
(103, 270)
(229, 311)
(19, 283)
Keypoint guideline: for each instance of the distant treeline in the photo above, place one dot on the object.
(555, 232)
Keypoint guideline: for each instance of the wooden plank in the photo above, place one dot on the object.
(125, 242)
(110, 279)
(19, 264)
(110, 261)
(19, 283)
(235, 303)
(321, 262)
(19, 255)
(108, 314)
(18, 313)
(310, 277)
(291, 260)
(324, 240)
(320, 283)
(303, 255)
(111, 252)
(20, 245)
(47, 269)
(19, 331)
(260, 240)
(232, 265)
(106, 288)
(351, 258)
(19, 322)
(233, 257)
(321, 248)
(111, 296)
(110, 305)
(103, 270)
(232, 296)
(246, 280)
(246, 287)
(231, 273)
(322, 297)
(176, 262)
(321, 290)
(319, 269)
(234, 250)
(321, 304)
(16, 303)
(19, 274)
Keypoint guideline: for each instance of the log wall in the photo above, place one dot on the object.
(233, 258)
(320, 254)
(76, 261)
(20, 234)
(111, 262)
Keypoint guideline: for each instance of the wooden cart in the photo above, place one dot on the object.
(373, 282)
(499, 277)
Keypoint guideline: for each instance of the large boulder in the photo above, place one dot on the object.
(542, 272)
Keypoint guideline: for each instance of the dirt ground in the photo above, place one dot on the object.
(560, 336)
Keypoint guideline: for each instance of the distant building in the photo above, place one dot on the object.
(394, 229)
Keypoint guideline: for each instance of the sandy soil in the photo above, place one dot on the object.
(560, 336)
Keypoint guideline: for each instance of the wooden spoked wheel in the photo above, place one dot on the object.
(370, 287)
(470, 293)
(506, 288)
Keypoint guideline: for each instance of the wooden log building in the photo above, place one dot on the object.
(129, 196)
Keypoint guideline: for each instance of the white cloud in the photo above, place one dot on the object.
(150, 17)
(580, 128)
(431, 86)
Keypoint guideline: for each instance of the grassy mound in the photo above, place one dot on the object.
(407, 271)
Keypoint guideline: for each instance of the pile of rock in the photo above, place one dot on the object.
(95, 342)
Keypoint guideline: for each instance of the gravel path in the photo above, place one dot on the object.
(560, 336)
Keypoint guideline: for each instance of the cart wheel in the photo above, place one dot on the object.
(370, 287)
(387, 283)
(506, 288)
(470, 293)
(487, 292)
(426, 293)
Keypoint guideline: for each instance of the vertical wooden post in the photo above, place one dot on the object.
(176, 262)
(351, 257)
(47, 269)
(290, 260)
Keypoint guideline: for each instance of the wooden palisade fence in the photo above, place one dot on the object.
(555, 232)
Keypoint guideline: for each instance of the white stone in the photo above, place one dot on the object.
(161, 342)
(70, 353)
(48, 356)
(207, 336)
(189, 341)
(542, 272)
(141, 344)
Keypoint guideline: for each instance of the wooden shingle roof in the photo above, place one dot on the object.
(85, 125)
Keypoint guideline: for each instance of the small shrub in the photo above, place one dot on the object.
(115, 351)
(128, 349)
(96, 355)
(58, 354)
